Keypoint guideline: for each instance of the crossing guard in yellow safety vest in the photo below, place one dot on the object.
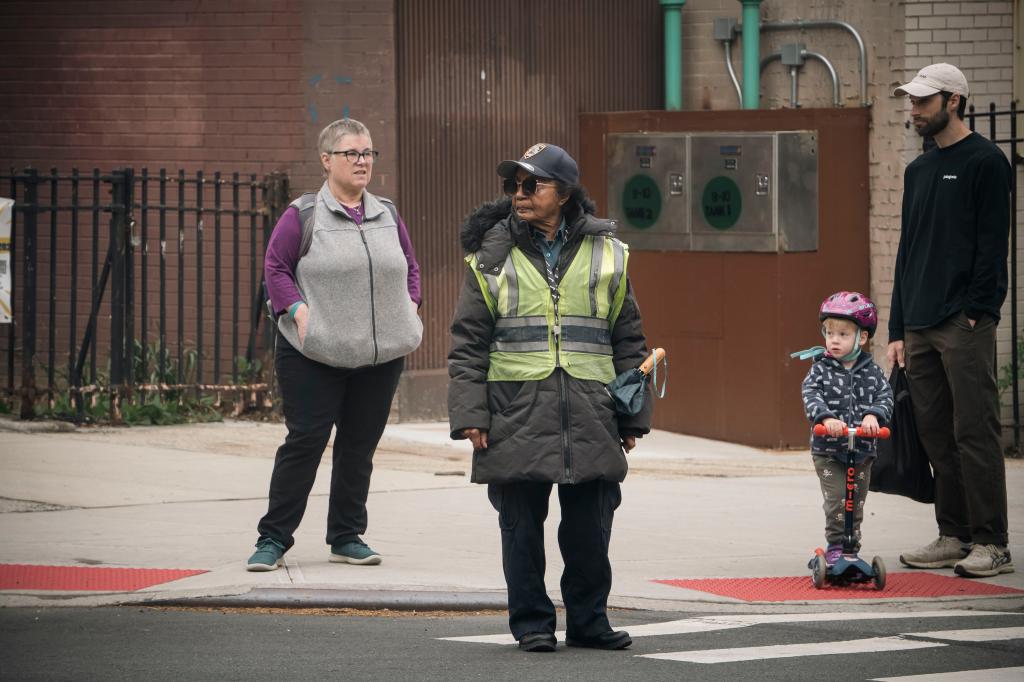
(536, 331)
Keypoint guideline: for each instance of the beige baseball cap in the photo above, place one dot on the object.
(935, 78)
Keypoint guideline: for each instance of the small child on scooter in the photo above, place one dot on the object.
(845, 388)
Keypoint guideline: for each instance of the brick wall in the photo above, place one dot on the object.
(243, 85)
(348, 69)
(194, 85)
(234, 86)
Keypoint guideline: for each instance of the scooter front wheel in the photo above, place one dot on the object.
(819, 571)
(878, 566)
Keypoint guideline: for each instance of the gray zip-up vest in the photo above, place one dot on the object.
(355, 281)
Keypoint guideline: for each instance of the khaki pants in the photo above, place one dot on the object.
(951, 370)
(832, 476)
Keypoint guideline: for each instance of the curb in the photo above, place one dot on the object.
(352, 599)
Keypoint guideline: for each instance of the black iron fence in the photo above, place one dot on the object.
(135, 287)
(1001, 127)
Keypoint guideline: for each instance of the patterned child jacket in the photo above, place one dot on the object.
(831, 390)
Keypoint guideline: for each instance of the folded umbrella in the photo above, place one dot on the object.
(629, 388)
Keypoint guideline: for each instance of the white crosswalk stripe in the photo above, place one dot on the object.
(858, 646)
(758, 653)
(987, 675)
(979, 635)
(904, 642)
(687, 626)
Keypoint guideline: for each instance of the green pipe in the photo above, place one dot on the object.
(673, 17)
(751, 53)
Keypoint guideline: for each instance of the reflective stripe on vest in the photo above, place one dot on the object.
(528, 341)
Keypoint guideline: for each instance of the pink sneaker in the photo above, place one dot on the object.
(832, 554)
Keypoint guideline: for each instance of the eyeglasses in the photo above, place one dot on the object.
(352, 156)
(529, 185)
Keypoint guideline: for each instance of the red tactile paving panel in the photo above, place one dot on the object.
(67, 578)
(917, 584)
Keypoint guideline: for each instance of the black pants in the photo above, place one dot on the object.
(951, 370)
(315, 398)
(583, 536)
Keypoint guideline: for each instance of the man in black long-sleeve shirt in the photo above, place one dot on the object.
(948, 287)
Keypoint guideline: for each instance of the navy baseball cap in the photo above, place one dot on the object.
(545, 161)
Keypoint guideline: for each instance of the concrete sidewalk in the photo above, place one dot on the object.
(189, 497)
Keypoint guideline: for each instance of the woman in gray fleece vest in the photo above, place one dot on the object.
(343, 281)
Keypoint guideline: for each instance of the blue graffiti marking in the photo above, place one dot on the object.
(315, 80)
(312, 113)
(344, 111)
(343, 80)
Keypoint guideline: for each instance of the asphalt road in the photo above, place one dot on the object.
(164, 644)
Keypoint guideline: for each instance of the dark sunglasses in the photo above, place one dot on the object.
(511, 187)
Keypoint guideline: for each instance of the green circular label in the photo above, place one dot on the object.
(641, 201)
(721, 202)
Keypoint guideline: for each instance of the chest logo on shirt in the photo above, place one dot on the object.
(949, 177)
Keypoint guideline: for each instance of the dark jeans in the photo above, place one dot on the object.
(315, 398)
(583, 536)
(951, 370)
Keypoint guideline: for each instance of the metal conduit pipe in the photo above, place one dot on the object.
(826, 23)
(832, 72)
(732, 72)
(771, 58)
(725, 32)
(793, 75)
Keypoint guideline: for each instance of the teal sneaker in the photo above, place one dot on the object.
(267, 556)
(354, 552)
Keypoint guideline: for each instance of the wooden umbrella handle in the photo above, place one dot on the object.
(657, 356)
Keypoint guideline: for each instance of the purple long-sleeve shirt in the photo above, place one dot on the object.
(282, 257)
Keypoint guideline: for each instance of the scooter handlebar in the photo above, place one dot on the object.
(883, 433)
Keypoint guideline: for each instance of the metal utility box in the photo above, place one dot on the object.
(730, 191)
(729, 275)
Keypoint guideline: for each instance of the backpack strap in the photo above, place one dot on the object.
(390, 205)
(306, 205)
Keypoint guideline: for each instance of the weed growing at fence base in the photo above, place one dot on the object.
(164, 392)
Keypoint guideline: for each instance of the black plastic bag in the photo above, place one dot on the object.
(902, 467)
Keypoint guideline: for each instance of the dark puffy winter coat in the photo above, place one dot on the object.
(559, 429)
(831, 390)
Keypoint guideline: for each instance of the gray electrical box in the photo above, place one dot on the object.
(715, 191)
(650, 191)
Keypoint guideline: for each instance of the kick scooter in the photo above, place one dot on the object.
(850, 568)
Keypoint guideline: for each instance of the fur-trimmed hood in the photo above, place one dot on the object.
(491, 229)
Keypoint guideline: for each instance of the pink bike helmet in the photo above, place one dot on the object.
(852, 306)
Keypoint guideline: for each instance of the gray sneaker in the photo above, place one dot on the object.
(985, 561)
(943, 552)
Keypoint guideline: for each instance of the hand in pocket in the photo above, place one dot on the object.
(301, 321)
